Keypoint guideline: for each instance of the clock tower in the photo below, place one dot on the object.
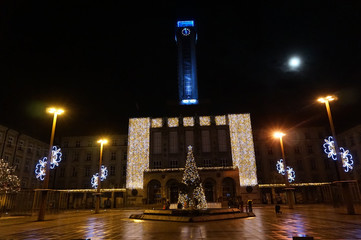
(186, 38)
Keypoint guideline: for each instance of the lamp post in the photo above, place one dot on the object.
(288, 188)
(97, 204)
(44, 192)
(347, 195)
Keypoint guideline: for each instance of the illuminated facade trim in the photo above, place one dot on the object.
(221, 120)
(242, 148)
(138, 151)
(188, 121)
(173, 122)
(205, 121)
(157, 122)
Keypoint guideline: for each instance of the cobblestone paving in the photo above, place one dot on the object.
(318, 221)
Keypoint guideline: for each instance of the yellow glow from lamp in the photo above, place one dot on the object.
(54, 110)
(328, 98)
(102, 141)
(279, 134)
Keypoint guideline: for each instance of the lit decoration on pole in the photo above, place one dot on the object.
(242, 148)
(40, 169)
(55, 157)
(281, 169)
(138, 151)
(192, 195)
(103, 176)
(41, 165)
(346, 157)
(347, 161)
(329, 148)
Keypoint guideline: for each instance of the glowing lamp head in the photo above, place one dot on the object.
(279, 134)
(56, 111)
(103, 141)
(326, 99)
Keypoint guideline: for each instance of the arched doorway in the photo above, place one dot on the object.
(228, 188)
(154, 192)
(173, 190)
(209, 189)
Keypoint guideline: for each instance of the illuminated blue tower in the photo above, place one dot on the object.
(186, 38)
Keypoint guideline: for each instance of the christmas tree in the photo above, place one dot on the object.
(191, 194)
(8, 181)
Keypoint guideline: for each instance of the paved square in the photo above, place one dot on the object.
(318, 221)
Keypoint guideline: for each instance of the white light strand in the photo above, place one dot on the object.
(291, 174)
(40, 167)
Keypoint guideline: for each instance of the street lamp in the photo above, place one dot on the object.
(55, 112)
(288, 189)
(338, 164)
(97, 204)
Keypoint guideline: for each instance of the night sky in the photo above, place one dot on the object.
(107, 62)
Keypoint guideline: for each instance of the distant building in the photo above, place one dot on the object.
(23, 152)
(351, 140)
(81, 160)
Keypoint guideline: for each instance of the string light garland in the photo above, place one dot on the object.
(9, 182)
(193, 196)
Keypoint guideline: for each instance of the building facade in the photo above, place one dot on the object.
(223, 152)
(23, 152)
(80, 162)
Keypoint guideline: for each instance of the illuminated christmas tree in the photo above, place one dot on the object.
(8, 181)
(192, 194)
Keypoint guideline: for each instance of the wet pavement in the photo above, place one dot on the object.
(318, 221)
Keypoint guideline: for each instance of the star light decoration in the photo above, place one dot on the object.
(40, 167)
(291, 174)
(330, 150)
(103, 176)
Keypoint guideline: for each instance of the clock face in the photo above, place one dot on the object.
(186, 31)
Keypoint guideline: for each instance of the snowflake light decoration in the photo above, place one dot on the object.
(280, 167)
(40, 169)
(55, 157)
(291, 175)
(103, 176)
(347, 161)
(329, 148)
